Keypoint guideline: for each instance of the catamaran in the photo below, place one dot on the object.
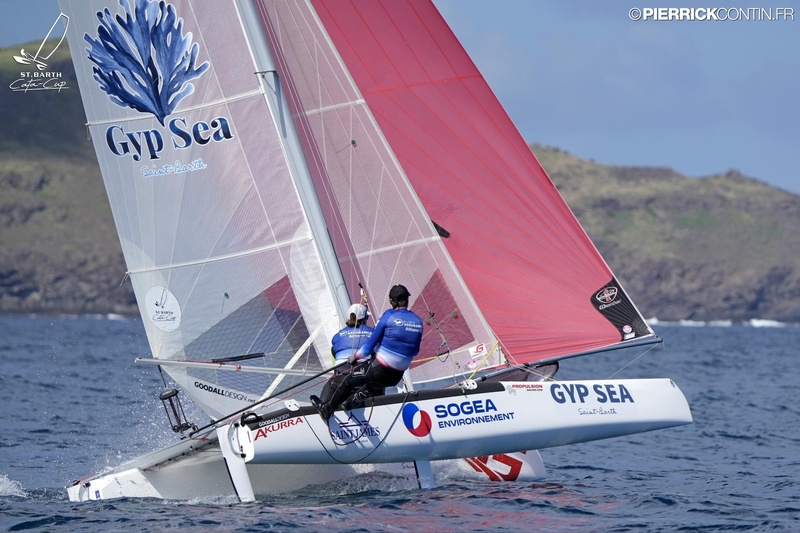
(270, 162)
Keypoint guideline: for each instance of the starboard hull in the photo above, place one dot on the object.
(491, 418)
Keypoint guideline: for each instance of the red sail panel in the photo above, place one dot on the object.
(527, 261)
(381, 233)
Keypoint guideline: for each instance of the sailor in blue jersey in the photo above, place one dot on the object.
(351, 337)
(394, 342)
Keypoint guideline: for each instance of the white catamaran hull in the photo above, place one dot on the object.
(292, 448)
(194, 469)
(492, 418)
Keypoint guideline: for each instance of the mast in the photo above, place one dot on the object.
(381, 232)
(270, 81)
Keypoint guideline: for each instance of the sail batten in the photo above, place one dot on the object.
(399, 246)
(336, 107)
(198, 107)
(208, 260)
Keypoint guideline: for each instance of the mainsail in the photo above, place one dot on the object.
(219, 249)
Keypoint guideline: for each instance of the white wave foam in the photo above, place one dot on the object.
(725, 323)
(762, 323)
(721, 323)
(9, 487)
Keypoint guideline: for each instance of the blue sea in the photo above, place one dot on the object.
(73, 402)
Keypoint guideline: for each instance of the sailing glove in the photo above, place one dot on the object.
(352, 359)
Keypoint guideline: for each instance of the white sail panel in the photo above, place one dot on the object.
(219, 251)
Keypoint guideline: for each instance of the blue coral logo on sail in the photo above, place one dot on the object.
(145, 62)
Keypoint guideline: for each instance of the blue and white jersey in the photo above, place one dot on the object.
(396, 339)
(348, 340)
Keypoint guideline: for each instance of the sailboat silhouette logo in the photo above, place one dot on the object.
(39, 58)
(163, 308)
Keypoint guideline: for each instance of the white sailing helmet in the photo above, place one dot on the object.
(359, 310)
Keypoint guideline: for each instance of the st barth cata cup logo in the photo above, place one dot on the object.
(163, 309)
(39, 78)
(144, 61)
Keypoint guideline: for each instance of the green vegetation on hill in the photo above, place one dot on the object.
(58, 248)
(720, 247)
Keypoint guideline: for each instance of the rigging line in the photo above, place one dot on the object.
(299, 392)
(441, 336)
(365, 302)
(381, 441)
(213, 423)
(419, 360)
(331, 435)
(645, 340)
(208, 260)
(632, 361)
(206, 105)
(210, 365)
(532, 370)
(364, 298)
(363, 428)
(279, 400)
(163, 379)
(484, 360)
(294, 359)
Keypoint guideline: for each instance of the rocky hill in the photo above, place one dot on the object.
(719, 247)
(58, 247)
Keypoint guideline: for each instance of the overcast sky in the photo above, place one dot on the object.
(701, 97)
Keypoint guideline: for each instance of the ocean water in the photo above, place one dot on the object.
(72, 402)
